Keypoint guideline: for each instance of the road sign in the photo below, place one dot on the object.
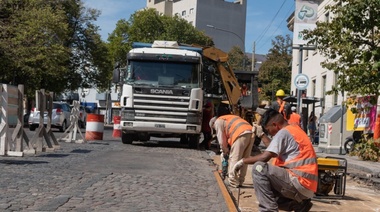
(301, 81)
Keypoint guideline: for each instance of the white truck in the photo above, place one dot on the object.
(162, 90)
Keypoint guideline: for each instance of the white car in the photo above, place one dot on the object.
(60, 117)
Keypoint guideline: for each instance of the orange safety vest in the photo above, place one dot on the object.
(281, 108)
(234, 126)
(295, 119)
(304, 166)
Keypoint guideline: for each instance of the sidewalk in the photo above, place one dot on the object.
(358, 196)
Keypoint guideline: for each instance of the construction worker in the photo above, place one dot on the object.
(281, 105)
(294, 118)
(234, 136)
(290, 182)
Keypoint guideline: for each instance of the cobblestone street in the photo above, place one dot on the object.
(110, 176)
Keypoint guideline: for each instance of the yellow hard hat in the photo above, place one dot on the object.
(280, 93)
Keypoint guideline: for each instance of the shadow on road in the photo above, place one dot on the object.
(53, 155)
(166, 144)
(21, 162)
(81, 151)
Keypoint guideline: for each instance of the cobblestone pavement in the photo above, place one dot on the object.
(110, 176)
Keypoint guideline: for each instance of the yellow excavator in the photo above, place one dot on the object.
(222, 83)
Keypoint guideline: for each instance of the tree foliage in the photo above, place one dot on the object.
(350, 44)
(275, 73)
(43, 44)
(147, 26)
(238, 60)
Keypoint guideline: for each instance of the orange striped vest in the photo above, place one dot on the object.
(304, 166)
(234, 126)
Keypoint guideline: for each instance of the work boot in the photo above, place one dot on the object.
(303, 206)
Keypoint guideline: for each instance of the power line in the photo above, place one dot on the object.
(266, 29)
(270, 37)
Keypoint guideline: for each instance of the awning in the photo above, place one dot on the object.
(305, 100)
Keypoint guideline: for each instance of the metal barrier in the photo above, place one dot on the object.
(11, 105)
(44, 103)
(70, 135)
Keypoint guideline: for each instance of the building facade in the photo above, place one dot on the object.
(224, 21)
(321, 80)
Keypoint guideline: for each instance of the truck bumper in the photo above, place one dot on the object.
(152, 127)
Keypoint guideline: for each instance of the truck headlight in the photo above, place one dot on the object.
(194, 118)
(128, 115)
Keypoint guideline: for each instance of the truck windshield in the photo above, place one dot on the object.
(166, 73)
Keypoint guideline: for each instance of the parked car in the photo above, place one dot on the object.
(60, 117)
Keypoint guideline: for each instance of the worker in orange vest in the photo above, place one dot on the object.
(294, 118)
(291, 181)
(235, 138)
(281, 105)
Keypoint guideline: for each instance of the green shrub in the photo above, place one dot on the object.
(368, 149)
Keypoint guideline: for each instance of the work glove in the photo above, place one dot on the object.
(237, 167)
(258, 130)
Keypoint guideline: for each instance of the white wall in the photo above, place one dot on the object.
(311, 66)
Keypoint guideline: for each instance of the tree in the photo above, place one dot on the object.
(147, 26)
(31, 44)
(52, 45)
(350, 44)
(275, 73)
(237, 59)
(90, 64)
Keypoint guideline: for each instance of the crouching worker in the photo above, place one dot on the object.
(234, 136)
(290, 182)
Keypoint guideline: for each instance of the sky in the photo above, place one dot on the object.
(265, 19)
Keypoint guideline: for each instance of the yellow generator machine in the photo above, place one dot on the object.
(332, 172)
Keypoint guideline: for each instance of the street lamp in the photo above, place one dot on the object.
(241, 39)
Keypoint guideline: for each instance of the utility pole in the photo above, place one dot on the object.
(253, 56)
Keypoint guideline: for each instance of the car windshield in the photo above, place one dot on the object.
(170, 74)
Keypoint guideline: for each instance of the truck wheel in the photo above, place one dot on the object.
(126, 138)
(184, 139)
(194, 141)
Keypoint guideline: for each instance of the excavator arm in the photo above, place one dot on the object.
(228, 78)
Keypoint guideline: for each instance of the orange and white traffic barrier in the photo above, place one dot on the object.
(116, 127)
(94, 127)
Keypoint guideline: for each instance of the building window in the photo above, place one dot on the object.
(323, 95)
(313, 87)
(324, 86)
(184, 13)
(191, 11)
(336, 75)
(327, 17)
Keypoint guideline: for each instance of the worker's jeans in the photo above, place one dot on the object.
(273, 187)
(241, 148)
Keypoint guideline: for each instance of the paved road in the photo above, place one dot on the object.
(110, 176)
